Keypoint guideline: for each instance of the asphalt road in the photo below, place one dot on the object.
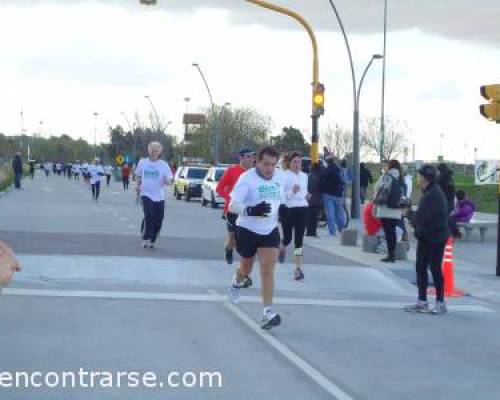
(89, 297)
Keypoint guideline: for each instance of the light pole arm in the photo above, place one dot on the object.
(206, 85)
(306, 26)
(349, 53)
(361, 83)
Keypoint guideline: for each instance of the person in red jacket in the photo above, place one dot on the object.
(125, 176)
(224, 189)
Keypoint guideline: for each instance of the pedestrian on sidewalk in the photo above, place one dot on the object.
(464, 211)
(365, 179)
(432, 232)
(17, 167)
(390, 193)
(332, 187)
(153, 174)
(257, 198)
(8, 265)
(445, 181)
(32, 169)
(294, 218)
(315, 200)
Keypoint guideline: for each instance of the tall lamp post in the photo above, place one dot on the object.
(382, 113)
(134, 137)
(154, 110)
(212, 106)
(356, 92)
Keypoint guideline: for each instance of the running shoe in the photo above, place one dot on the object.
(440, 308)
(282, 255)
(234, 292)
(145, 244)
(270, 320)
(247, 283)
(228, 256)
(418, 307)
(151, 245)
(299, 274)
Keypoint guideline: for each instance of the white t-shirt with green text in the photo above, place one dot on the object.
(250, 190)
(154, 176)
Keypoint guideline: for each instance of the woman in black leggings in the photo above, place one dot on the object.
(294, 219)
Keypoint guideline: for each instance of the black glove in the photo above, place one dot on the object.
(260, 210)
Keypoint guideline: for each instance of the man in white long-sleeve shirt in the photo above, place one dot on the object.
(256, 199)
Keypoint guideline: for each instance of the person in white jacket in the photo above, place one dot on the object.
(294, 216)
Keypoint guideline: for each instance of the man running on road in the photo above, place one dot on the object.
(224, 189)
(152, 175)
(256, 199)
(95, 172)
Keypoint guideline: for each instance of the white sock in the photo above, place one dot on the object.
(268, 310)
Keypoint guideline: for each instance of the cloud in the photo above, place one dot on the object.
(455, 19)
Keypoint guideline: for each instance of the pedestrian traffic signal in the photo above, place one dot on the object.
(491, 111)
(319, 100)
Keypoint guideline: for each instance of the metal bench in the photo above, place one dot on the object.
(482, 226)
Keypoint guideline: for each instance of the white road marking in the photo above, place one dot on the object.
(194, 297)
(334, 390)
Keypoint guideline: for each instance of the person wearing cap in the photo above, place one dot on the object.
(431, 230)
(95, 171)
(224, 189)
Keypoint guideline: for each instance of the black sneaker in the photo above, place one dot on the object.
(228, 256)
(388, 259)
(270, 321)
(298, 275)
(247, 282)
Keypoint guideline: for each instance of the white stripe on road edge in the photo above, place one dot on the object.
(288, 301)
(301, 364)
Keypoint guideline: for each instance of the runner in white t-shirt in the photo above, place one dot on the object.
(95, 171)
(153, 174)
(108, 169)
(294, 218)
(256, 199)
(77, 169)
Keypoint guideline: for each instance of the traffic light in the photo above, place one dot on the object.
(491, 111)
(148, 2)
(318, 100)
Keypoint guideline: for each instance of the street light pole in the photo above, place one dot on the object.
(356, 92)
(382, 115)
(215, 132)
(154, 110)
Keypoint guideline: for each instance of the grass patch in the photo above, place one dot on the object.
(6, 178)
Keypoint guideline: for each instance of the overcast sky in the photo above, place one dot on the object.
(63, 60)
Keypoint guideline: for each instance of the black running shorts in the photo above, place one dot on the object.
(231, 222)
(248, 242)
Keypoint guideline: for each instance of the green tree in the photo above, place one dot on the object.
(291, 139)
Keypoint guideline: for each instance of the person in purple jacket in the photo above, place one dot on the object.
(464, 211)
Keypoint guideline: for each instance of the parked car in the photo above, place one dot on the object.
(188, 182)
(209, 195)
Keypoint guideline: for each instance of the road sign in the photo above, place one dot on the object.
(119, 159)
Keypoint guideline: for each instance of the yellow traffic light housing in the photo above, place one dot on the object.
(491, 111)
(318, 100)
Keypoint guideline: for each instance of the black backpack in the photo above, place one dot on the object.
(397, 194)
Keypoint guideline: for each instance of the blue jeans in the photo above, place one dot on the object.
(334, 213)
(17, 180)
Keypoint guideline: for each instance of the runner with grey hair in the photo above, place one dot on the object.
(153, 174)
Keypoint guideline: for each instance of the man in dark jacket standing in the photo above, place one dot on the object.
(17, 166)
(431, 230)
(315, 199)
(365, 178)
(332, 187)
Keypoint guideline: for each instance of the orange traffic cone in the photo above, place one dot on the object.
(448, 273)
